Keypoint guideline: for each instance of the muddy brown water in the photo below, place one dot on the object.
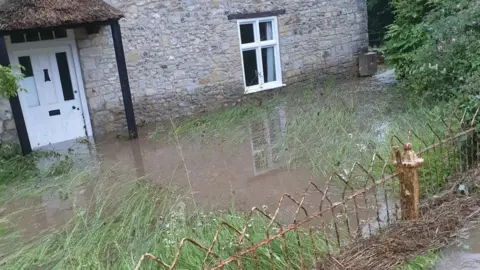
(245, 175)
(464, 254)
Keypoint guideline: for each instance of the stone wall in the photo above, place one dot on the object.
(7, 125)
(183, 57)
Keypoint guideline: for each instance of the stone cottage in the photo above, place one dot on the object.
(171, 58)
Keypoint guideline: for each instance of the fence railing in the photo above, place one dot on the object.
(349, 206)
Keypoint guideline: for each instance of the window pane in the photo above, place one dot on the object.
(250, 67)
(65, 79)
(247, 34)
(17, 37)
(60, 33)
(32, 35)
(46, 34)
(268, 60)
(28, 81)
(27, 69)
(266, 31)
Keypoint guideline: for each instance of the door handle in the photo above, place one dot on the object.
(73, 107)
(47, 76)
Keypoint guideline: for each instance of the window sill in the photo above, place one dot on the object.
(255, 89)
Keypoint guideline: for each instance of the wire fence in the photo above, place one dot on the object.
(349, 206)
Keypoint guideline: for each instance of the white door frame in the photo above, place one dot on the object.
(69, 41)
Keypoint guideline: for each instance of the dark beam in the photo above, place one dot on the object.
(241, 16)
(65, 26)
(93, 29)
(124, 84)
(16, 107)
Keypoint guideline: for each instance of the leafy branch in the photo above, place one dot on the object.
(10, 82)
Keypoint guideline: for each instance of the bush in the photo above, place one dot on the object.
(434, 47)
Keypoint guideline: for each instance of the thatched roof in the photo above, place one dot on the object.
(28, 14)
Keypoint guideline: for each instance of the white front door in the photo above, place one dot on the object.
(51, 103)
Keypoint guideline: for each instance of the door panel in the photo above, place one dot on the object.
(65, 78)
(51, 105)
(29, 81)
(41, 71)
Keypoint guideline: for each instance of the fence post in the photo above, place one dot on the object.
(407, 164)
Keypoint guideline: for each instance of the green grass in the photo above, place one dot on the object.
(217, 122)
(227, 125)
(127, 218)
(14, 166)
(423, 262)
(18, 173)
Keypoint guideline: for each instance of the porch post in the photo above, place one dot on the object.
(16, 107)
(125, 85)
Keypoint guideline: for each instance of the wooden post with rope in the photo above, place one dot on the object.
(407, 164)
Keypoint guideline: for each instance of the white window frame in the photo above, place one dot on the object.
(257, 45)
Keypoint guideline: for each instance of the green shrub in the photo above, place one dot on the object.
(434, 47)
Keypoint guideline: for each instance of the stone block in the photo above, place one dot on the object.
(132, 57)
(179, 74)
(96, 103)
(88, 63)
(151, 91)
(9, 125)
(113, 105)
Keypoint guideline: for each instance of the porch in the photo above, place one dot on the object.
(38, 35)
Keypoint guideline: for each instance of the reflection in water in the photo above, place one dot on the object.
(52, 209)
(57, 203)
(138, 158)
(266, 136)
(384, 202)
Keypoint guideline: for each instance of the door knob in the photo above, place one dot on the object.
(73, 107)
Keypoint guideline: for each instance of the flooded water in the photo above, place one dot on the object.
(249, 173)
(464, 254)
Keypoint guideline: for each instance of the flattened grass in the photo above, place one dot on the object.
(126, 218)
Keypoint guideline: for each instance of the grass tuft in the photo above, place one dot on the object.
(422, 262)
